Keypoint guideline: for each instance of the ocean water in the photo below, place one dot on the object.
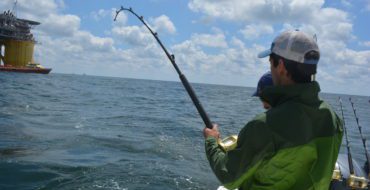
(62, 131)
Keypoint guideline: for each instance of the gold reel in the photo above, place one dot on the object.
(228, 143)
(357, 182)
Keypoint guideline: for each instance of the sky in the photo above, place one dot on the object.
(214, 41)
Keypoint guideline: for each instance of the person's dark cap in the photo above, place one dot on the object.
(265, 81)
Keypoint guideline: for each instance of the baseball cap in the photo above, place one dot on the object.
(293, 45)
(265, 81)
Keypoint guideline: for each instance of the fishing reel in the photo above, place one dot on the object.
(356, 182)
(337, 175)
(228, 143)
(352, 182)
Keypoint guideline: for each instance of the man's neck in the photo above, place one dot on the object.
(286, 80)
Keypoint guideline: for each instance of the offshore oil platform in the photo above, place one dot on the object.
(17, 45)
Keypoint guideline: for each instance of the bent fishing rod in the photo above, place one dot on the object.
(362, 137)
(183, 79)
(350, 162)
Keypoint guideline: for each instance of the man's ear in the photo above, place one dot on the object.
(281, 68)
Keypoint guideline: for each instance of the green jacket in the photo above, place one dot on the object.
(294, 145)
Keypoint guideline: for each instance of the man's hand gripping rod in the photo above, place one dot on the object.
(183, 79)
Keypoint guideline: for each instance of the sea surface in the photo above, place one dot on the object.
(61, 131)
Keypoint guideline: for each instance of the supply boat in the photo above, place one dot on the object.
(17, 45)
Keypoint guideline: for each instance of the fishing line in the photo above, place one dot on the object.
(182, 77)
(362, 137)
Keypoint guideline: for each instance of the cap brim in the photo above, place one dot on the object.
(264, 53)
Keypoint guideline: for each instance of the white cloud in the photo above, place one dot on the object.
(250, 10)
(46, 12)
(140, 35)
(93, 43)
(61, 4)
(101, 13)
(365, 44)
(209, 40)
(328, 23)
(332, 24)
(346, 3)
(217, 55)
(66, 48)
(159, 24)
(237, 43)
(37, 9)
(133, 35)
(333, 27)
(254, 31)
(121, 19)
(163, 24)
(60, 25)
(227, 61)
(86, 53)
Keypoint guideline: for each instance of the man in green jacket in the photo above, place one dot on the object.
(293, 145)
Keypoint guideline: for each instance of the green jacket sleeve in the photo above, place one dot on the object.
(235, 167)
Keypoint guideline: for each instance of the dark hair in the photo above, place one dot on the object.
(299, 72)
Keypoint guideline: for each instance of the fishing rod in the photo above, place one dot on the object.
(362, 137)
(350, 161)
(171, 57)
(353, 181)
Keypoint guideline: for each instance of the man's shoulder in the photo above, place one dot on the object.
(257, 123)
(260, 118)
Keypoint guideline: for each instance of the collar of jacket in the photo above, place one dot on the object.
(306, 92)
